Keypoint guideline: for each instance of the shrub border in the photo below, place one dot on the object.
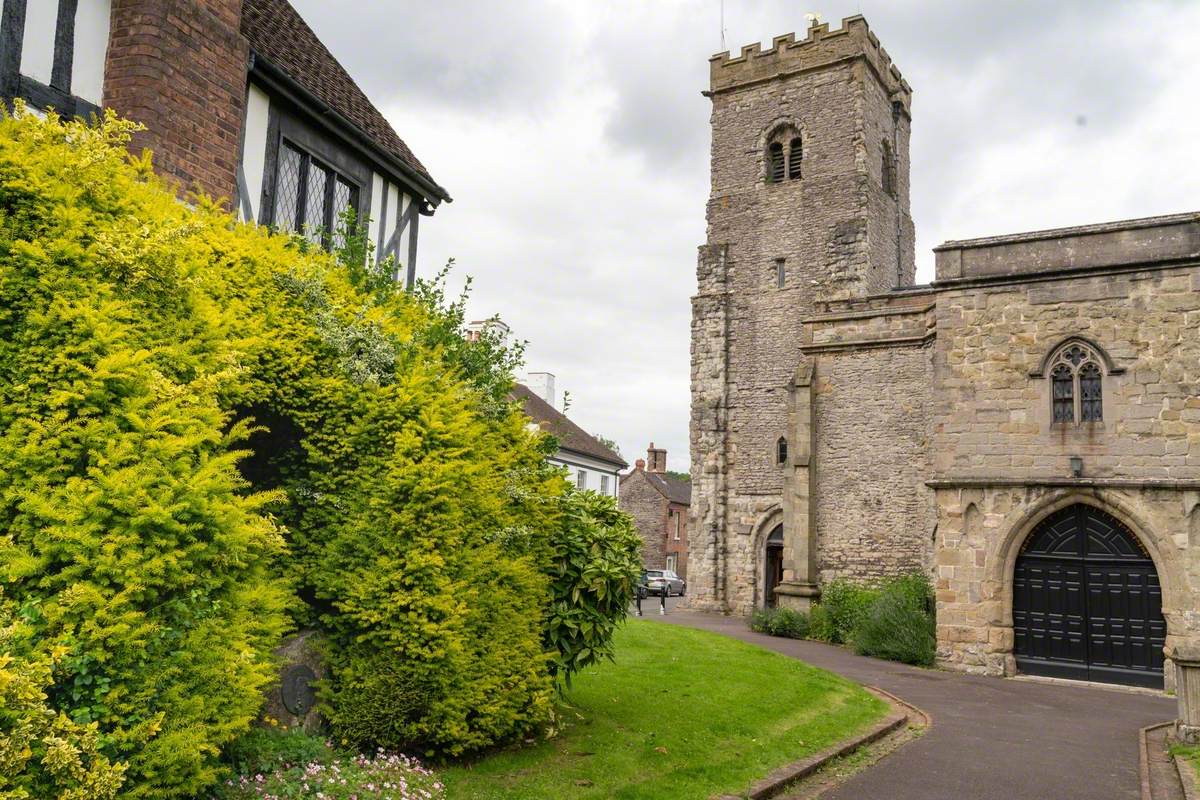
(780, 779)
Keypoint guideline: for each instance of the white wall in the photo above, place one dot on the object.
(592, 470)
(90, 47)
(37, 46)
(383, 223)
(254, 148)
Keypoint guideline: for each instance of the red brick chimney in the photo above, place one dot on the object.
(179, 67)
(656, 458)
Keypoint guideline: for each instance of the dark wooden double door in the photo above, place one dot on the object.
(1087, 603)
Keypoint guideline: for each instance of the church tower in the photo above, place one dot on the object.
(809, 201)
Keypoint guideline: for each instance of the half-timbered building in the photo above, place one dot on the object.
(240, 100)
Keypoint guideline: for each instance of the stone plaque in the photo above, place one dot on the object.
(297, 689)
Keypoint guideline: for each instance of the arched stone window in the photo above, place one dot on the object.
(781, 453)
(1076, 393)
(784, 152)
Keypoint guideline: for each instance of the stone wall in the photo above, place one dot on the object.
(1000, 463)
(993, 416)
(874, 514)
(835, 230)
(982, 525)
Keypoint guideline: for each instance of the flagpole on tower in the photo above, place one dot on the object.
(723, 48)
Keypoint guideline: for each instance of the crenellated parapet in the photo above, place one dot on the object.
(819, 49)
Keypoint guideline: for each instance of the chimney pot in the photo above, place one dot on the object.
(640, 464)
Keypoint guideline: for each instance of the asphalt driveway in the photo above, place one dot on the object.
(991, 739)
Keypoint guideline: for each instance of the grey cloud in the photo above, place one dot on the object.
(471, 54)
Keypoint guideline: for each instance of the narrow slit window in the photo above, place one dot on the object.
(1063, 388)
(888, 170)
(781, 453)
(780, 273)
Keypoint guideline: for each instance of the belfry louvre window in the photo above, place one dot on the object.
(795, 153)
(1076, 387)
(776, 162)
(785, 152)
(310, 197)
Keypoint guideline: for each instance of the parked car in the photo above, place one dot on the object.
(658, 581)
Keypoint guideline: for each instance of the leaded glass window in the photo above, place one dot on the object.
(1090, 402)
(310, 197)
(1063, 386)
(1076, 385)
(781, 451)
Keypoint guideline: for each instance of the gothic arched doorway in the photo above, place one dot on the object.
(772, 565)
(1087, 602)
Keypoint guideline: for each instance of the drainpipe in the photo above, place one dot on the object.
(896, 110)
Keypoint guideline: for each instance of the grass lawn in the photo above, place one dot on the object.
(682, 714)
(1189, 753)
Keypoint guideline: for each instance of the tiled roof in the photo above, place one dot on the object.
(278, 33)
(570, 436)
(673, 489)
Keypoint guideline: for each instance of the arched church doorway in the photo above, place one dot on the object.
(772, 565)
(1087, 602)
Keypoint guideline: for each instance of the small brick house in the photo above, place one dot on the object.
(240, 100)
(658, 503)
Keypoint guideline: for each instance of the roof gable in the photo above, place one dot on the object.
(277, 33)
(570, 436)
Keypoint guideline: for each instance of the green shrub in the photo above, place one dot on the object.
(131, 545)
(594, 566)
(898, 625)
(43, 753)
(760, 620)
(266, 749)
(789, 623)
(847, 604)
(780, 622)
(183, 397)
(820, 624)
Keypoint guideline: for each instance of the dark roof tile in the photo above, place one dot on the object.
(570, 436)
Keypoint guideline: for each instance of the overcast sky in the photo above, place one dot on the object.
(574, 141)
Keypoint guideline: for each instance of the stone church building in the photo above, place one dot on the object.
(1025, 429)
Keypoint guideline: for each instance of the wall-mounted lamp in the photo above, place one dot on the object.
(1076, 467)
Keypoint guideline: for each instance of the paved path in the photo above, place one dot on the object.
(991, 739)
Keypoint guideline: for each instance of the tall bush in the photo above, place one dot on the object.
(899, 624)
(846, 604)
(192, 409)
(594, 565)
(43, 752)
(132, 546)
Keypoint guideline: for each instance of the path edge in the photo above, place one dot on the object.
(1144, 757)
(783, 777)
